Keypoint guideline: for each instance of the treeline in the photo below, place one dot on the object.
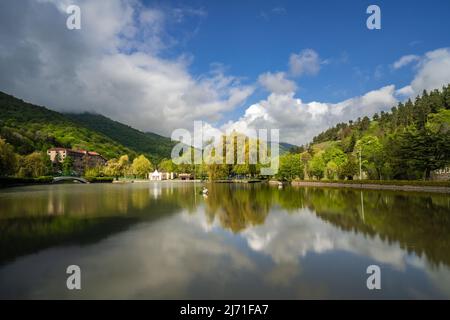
(38, 164)
(215, 166)
(139, 167)
(400, 117)
(407, 143)
(33, 165)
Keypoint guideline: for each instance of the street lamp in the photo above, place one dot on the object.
(360, 171)
(360, 151)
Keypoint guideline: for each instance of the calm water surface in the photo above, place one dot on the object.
(165, 240)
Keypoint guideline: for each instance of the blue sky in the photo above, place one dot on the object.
(160, 65)
(251, 37)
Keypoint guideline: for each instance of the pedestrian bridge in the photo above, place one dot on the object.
(74, 179)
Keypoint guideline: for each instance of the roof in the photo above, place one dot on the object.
(57, 149)
(91, 153)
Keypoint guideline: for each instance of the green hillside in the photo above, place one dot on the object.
(153, 145)
(409, 142)
(30, 128)
(286, 147)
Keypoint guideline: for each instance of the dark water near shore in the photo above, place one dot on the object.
(165, 240)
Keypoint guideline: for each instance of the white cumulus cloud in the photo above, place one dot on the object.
(299, 121)
(307, 62)
(433, 72)
(277, 82)
(112, 66)
(405, 60)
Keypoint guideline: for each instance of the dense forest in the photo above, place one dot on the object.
(409, 142)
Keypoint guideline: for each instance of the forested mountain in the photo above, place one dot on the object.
(151, 144)
(30, 128)
(406, 143)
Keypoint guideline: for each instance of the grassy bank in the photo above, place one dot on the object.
(99, 179)
(236, 181)
(15, 181)
(404, 185)
(385, 182)
(6, 182)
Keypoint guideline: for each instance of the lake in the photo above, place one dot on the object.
(165, 240)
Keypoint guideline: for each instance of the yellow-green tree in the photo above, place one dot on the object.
(167, 165)
(117, 167)
(141, 166)
(123, 164)
(112, 168)
(33, 165)
(94, 172)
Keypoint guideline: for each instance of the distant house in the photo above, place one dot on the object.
(82, 159)
(94, 159)
(441, 174)
(158, 176)
(185, 176)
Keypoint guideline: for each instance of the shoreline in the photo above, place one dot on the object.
(403, 186)
(369, 186)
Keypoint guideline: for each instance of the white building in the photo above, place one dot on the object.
(158, 176)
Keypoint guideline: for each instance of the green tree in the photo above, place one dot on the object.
(349, 169)
(241, 169)
(316, 167)
(351, 144)
(67, 166)
(427, 149)
(332, 170)
(290, 167)
(372, 155)
(8, 159)
(167, 165)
